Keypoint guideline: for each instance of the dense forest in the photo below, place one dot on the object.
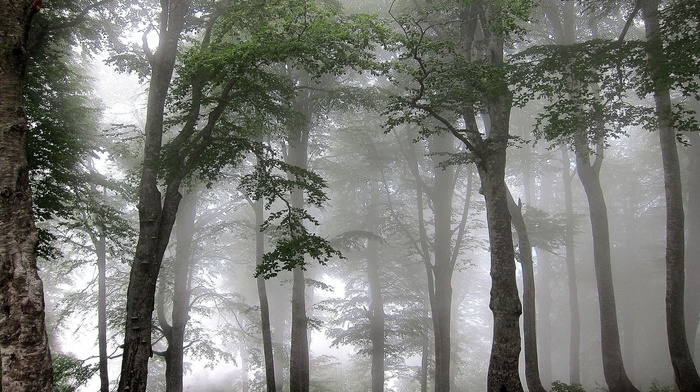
(349, 195)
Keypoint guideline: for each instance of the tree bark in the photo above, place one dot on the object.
(376, 302)
(101, 251)
(503, 375)
(686, 375)
(441, 302)
(613, 367)
(156, 217)
(570, 246)
(259, 209)
(692, 247)
(184, 234)
(532, 371)
(299, 351)
(24, 347)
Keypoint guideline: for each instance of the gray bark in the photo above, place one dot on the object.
(299, 354)
(575, 315)
(686, 375)
(24, 347)
(156, 215)
(692, 245)
(532, 370)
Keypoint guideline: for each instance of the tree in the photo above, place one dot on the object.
(446, 82)
(24, 346)
(249, 95)
(687, 377)
(586, 107)
(532, 372)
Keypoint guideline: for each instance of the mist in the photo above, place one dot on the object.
(354, 196)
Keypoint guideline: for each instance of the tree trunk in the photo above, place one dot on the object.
(268, 354)
(613, 367)
(503, 375)
(692, 247)
(575, 315)
(376, 305)
(299, 354)
(441, 304)
(425, 362)
(156, 218)
(184, 234)
(24, 347)
(532, 371)
(101, 250)
(684, 370)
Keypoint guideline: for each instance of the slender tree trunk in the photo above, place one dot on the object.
(184, 234)
(376, 306)
(299, 355)
(692, 245)
(613, 367)
(425, 362)
(101, 250)
(570, 246)
(684, 370)
(532, 371)
(24, 347)
(156, 216)
(245, 363)
(268, 354)
(441, 304)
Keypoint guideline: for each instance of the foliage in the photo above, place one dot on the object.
(585, 86)
(655, 387)
(69, 373)
(558, 386)
(274, 180)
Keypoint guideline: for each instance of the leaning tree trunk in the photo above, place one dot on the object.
(156, 216)
(613, 367)
(24, 346)
(684, 370)
(532, 370)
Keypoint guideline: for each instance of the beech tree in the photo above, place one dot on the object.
(451, 87)
(24, 346)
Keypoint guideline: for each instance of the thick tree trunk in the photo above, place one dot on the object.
(532, 371)
(684, 370)
(268, 353)
(575, 315)
(692, 245)
(156, 217)
(613, 367)
(24, 347)
(503, 375)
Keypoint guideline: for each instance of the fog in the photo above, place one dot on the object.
(358, 181)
